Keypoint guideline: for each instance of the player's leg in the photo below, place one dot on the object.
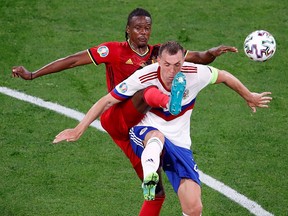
(147, 143)
(189, 194)
(153, 207)
(153, 146)
(139, 104)
(149, 208)
(118, 119)
(181, 170)
(155, 98)
(127, 115)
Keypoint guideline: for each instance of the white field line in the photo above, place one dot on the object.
(250, 205)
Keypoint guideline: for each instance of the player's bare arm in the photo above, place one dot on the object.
(253, 99)
(74, 60)
(95, 111)
(208, 56)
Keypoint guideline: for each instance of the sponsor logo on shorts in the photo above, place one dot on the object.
(196, 168)
(143, 131)
(103, 51)
(123, 87)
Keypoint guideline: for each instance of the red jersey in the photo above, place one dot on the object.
(120, 60)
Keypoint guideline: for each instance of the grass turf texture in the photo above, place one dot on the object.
(92, 177)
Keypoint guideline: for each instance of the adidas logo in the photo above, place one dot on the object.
(129, 61)
(150, 160)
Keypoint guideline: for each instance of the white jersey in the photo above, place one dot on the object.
(175, 128)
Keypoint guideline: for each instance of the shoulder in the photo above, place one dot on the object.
(107, 48)
(198, 73)
(154, 48)
(193, 67)
(189, 67)
(196, 70)
(109, 45)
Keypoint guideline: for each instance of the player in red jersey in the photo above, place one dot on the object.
(121, 60)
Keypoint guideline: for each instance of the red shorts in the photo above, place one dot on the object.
(117, 121)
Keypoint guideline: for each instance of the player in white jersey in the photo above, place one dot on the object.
(167, 125)
(175, 127)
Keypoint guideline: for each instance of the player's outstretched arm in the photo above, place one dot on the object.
(95, 111)
(77, 59)
(253, 99)
(208, 56)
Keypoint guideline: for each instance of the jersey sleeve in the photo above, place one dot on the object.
(207, 75)
(214, 72)
(128, 87)
(103, 53)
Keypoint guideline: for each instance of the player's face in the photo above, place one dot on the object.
(139, 31)
(170, 65)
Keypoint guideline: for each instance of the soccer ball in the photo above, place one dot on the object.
(260, 45)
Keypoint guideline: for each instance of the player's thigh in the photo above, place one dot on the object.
(189, 194)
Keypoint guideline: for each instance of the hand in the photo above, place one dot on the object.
(20, 71)
(217, 51)
(259, 100)
(70, 135)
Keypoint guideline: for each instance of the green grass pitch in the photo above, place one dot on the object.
(246, 151)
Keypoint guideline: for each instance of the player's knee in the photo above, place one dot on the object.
(193, 208)
(155, 134)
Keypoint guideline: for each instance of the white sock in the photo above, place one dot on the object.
(150, 158)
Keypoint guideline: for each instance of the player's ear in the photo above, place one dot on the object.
(127, 29)
(158, 59)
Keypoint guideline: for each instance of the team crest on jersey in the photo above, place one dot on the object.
(186, 94)
(103, 51)
(123, 87)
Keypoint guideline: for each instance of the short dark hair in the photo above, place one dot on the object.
(172, 47)
(137, 12)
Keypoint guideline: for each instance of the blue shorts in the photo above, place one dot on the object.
(177, 162)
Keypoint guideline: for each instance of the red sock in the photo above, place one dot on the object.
(153, 207)
(155, 98)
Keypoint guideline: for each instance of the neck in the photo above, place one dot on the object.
(139, 50)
